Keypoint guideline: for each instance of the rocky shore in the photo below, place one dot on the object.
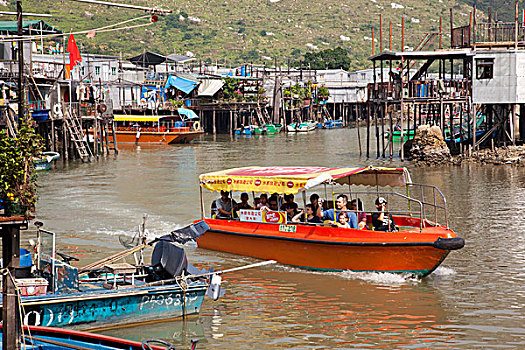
(428, 148)
(514, 155)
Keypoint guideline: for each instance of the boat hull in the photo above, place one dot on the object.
(112, 307)
(157, 137)
(329, 248)
(44, 338)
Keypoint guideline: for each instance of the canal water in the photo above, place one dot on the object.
(474, 300)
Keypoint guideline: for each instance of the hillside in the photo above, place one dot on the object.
(255, 30)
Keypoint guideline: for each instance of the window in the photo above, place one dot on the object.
(484, 68)
(97, 70)
(83, 70)
(113, 70)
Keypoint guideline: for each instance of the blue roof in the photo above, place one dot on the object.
(181, 84)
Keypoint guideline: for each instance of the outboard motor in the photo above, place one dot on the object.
(169, 261)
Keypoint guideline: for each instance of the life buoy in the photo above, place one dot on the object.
(57, 109)
(102, 108)
(196, 125)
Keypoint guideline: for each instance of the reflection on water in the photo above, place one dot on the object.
(474, 300)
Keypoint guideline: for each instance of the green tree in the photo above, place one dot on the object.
(328, 59)
(17, 171)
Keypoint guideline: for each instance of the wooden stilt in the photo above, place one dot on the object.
(357, 126)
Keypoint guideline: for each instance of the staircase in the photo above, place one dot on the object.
(77, 136)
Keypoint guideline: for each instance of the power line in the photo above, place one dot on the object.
(151, 10)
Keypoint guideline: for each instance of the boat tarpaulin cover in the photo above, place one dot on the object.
(210, 87)
(188, 113)
(181, 84)
(296, 179)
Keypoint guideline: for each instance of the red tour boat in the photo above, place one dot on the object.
(418, 246)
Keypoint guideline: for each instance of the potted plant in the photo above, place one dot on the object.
(323, 93)
(18, 188)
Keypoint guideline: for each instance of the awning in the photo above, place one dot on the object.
(285, 180)
(35, 27)
(180, 58)
(147, 59)
(135, 118)
(210, 87)
(181, 84)
(188, 113)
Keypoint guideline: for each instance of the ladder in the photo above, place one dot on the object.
(266, 115)
(12, 127)
(77, 136)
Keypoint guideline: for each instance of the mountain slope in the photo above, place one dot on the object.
(255, 30)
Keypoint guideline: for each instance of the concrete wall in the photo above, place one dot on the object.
(508, 82)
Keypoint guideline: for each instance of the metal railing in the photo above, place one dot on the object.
(498, 32)
(421, 89)
(436, 193)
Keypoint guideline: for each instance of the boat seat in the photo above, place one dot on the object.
(119, 269)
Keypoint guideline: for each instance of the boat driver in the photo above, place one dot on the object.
(340, 204)
(225, 206)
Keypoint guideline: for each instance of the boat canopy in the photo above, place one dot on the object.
(144, 118)
(291, 180)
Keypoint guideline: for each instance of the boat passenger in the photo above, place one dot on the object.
(263, 202)
(272, 203)
(244, 202)
(288, 201)
(343, 220)
(356, 205)
(317, 206)
(381, 220)
(225, 206)
(291, 210)
(256, 202)
(340, 204)
(310, 216)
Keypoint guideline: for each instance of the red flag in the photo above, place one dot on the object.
(74, 53)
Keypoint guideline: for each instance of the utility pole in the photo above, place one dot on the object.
(21, 109)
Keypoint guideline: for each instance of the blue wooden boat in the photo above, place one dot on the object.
(109, 293)
(44, 161)
(331, 124)
(247, 130)
(49, 338)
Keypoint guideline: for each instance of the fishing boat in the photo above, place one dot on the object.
(419, 247)
(248, 130)
(331, 124)
(109, 292)
(180, 128)
(45, 160)
(51, 338)
(306, 126)
(396, 135)
(271, 128)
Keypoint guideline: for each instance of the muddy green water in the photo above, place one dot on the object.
(474, 300)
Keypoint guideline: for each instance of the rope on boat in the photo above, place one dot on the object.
(210, 273)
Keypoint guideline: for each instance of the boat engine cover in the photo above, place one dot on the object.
(168, 260)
